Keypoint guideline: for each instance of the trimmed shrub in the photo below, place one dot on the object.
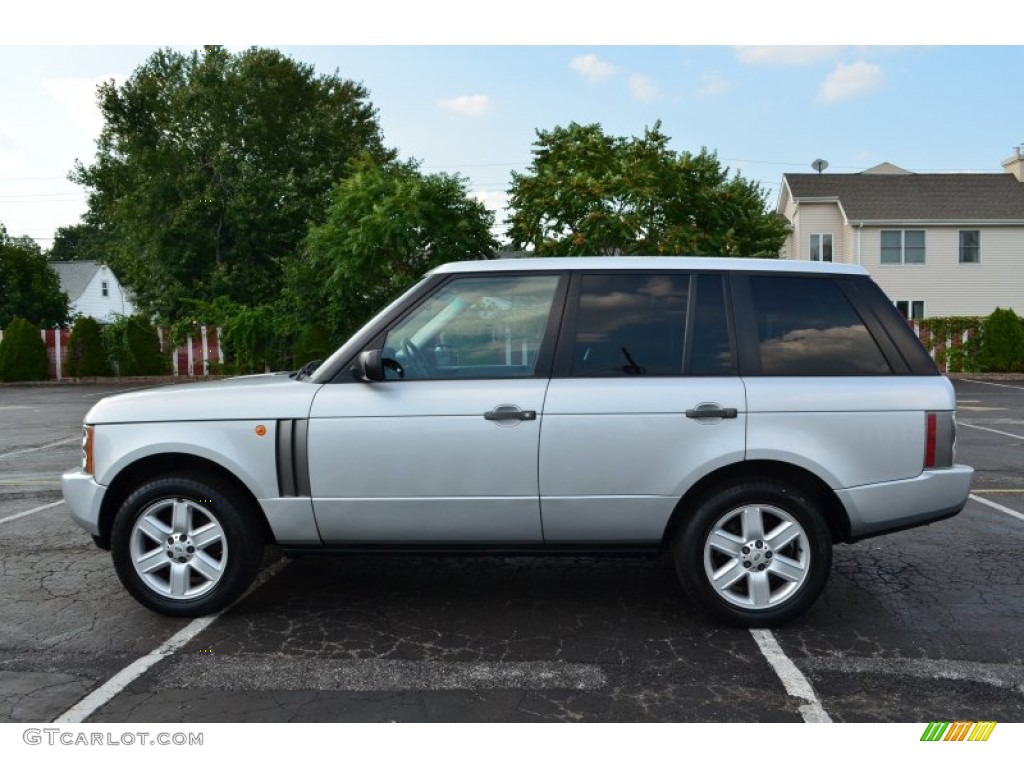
(87, 352)
(1002, 342)
(134, 348)
(23, 353)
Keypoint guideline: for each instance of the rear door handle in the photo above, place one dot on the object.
(711, 412)
(510, 413)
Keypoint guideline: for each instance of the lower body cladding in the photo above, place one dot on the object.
(595, 521)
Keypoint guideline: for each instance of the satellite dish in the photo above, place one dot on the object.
(819, 165)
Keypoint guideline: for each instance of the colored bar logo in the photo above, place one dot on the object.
(961, 730)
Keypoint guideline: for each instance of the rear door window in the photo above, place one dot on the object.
(630, 325)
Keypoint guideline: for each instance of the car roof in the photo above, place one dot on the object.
(644, 263)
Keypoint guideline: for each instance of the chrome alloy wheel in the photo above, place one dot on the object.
(757, 556)
(178, 548)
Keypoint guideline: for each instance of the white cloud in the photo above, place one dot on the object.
(786, 55)
(78, 97)
(592, 68)
(476, 105)
(713, 84)
(849, 80)
(642, 88)
(494, 200)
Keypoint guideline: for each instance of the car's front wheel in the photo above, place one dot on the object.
(755, 554)
(183, 545)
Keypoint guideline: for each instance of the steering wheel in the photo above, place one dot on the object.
(415, 359)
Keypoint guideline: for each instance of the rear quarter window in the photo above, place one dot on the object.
(806, 326)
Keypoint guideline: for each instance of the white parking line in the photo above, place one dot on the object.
(100, 696)
(987, 503)
(992, 384)
(989, 429)
(31, 511)
(64, 441)
(793, 680)
(97, 698)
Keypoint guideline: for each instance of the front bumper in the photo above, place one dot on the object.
(83, 495)
(887, 507)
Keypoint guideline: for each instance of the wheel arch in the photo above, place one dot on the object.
(824, 498)
(156, 465)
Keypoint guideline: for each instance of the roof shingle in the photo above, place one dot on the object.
(916, 196)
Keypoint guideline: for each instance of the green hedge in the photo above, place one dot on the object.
(134, 348)
(87, 350)
(23, 353)
(995, 344)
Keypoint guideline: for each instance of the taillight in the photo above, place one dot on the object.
(939, 437)
(87, 435)
(929, 440)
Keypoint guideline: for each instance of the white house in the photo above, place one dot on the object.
(939, 244)
(93, 290)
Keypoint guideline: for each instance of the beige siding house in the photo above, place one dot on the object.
(938, 244)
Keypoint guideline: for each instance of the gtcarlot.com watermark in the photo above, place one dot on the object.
(59, 737)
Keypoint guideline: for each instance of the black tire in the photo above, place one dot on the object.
(763, 579)
(186, 545)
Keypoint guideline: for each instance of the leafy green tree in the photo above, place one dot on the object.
(590, 193)
(29, 287)
(387, 226)
(210, 166)
(23, 353)
(78, 242)
(87, 351)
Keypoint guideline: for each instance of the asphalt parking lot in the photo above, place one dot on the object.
(917, 626)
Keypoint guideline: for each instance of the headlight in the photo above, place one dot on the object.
(87, 434)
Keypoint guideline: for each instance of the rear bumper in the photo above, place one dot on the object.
(83, 495)
(887, 507)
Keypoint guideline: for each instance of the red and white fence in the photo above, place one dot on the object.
(936, 346)
(193, 358)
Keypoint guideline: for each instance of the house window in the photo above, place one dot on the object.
(104, 288)
(970, 246)
(911, 310)
(821, 247)
(903, 246)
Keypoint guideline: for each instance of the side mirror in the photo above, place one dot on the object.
(370, 366)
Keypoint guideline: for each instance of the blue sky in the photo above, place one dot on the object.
(474, 109)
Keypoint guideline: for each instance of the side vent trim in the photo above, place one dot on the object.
(285, 457)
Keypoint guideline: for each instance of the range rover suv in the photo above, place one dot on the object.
(741, 415)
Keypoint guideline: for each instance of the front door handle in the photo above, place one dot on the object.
(711, 411)
(510, 413)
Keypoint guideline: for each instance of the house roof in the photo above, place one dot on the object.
(893, 196)
(75, 276)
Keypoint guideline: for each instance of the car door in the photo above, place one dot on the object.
(645, 401)
(444, 450)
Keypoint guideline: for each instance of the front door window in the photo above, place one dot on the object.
(474, 327)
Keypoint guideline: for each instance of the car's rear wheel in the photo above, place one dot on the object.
(183, 545)
(755, 554)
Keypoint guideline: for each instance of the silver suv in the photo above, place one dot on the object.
(742, 415)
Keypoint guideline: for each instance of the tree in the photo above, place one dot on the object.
(29, 287)
(134, 348)
(388, 225)
(87, 352)
(23, 353)
(589, 193)
(78, 242)
(210, 166)
(1002, 341)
